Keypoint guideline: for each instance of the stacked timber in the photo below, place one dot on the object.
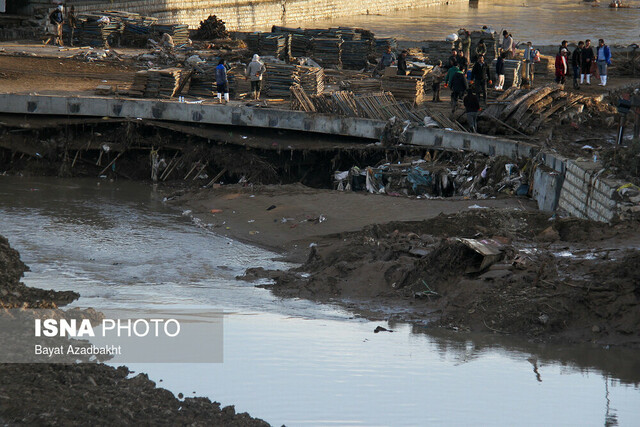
(203, 81)
(327, 51)
(355, 54)
(267, 44)
(139, 84)
(299, 45)
(311, 79)
(279, 78)
(529, 110)
(383, 43)
(490, 41)
(512, 72)
(358, 86)
(404, 87)
(437, 50)
(92, 31)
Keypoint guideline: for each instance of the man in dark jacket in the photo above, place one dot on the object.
(452, 60)
(459, 86)
(463, 62)
(56, 18)
(481, 76)
(472, 107)
(500, 71)
(402, 64)
(587, 60)
(576, 63)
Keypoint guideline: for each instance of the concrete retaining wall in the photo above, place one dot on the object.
(251, 15)
(587, 195)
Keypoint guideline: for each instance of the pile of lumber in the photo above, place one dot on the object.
(528, 110)
(383, 43)
(512, 72)
(299, 45)
(268, 44)
(280, 77)
(157, 83)
(404, 87)
(90, 32)
(490, 41)
(438, 50)
(312, 79)
(355, 54)
(362, 85)
(203, 81)
(327, 51)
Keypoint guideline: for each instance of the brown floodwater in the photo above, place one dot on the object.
(542, 22)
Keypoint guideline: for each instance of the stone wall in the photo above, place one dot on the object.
(251, 15)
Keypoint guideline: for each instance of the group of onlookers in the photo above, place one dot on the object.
(584, 63)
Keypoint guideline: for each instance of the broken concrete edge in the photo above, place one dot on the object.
(550, 189)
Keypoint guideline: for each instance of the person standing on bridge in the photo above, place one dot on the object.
(222, 82)
(576, 63)
(587, 60)
(255, 71)
(72, 22)
(561, 66)
(481, 76)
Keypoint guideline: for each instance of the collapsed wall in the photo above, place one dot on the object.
(250, 15)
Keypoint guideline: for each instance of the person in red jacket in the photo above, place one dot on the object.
(561, 65)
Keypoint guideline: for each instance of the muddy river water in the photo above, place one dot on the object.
(544, 22)
(292, 361)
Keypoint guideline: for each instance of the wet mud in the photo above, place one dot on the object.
(555, 279)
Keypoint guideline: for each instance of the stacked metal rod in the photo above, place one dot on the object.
(279, 78)
(312, 80)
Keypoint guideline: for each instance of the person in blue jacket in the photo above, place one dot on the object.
(603, 59)
(221, 81)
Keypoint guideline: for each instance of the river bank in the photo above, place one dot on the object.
(82, 394)
(556, 279)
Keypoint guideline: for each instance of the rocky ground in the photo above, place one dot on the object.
(90, 393)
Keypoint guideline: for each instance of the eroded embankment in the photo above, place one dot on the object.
(88, 394)
(564, 279)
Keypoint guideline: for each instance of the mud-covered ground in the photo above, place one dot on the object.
(88, 394)
(557, 279)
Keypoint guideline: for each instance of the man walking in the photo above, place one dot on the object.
(437, 74)
(481, 76)
(56, 20)
(603, 59)
(459, 86)
(255, 71)
(587, 60)
(576, 63)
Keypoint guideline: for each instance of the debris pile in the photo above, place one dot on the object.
(441, 174)
(211, 28)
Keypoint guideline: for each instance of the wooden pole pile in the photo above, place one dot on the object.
(528, 111)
